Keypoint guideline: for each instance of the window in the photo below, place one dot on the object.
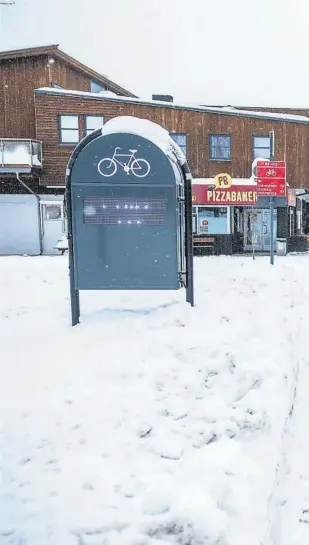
(212, 221)
(261, 147)
(93, 122)
(68, 129)
(220, 147)
(181, 140)
(56, 86)
(96, 87)
(52, 212)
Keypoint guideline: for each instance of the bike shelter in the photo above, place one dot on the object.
(129, 210)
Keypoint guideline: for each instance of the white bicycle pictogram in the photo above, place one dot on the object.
(109, 165)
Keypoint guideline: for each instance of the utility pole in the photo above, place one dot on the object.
(4, 3)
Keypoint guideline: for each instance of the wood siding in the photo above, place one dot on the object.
(18, 79)
(67, 77)
(291, 139)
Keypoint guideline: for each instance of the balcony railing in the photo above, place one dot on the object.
(20, 153)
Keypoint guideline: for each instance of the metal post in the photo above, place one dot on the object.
(75, 305)
(188, 235)
(272, 250)
(271, 201)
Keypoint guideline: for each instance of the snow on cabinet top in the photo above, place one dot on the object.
(147, 129)
(224, 110)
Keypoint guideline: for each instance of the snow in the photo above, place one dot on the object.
(62, 243)
(19, 155)
(184, 105)
(152, 422)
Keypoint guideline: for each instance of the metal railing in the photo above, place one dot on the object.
(20, 152)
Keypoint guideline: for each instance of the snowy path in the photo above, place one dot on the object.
(151, 423)
(291, 516)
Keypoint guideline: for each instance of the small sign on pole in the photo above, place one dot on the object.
(271, 178)
(271, 182)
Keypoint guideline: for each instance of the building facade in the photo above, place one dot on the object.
(64, 100)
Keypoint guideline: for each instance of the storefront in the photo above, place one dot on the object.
(228, 220)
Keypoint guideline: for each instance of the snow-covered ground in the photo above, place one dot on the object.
(153, 423)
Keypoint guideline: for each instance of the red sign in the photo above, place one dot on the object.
(271, 178)
(237, 195)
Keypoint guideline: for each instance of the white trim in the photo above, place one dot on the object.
(228, 220)
(55, 186)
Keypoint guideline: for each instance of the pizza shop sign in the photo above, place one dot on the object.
(224, 193)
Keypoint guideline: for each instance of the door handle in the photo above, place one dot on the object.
(264, 229)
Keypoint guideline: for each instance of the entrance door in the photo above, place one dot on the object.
(52, 221)
(257, 230)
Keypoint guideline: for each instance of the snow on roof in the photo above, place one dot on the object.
(147, 129)
(293, 118)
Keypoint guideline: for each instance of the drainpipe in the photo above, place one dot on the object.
(39, 209)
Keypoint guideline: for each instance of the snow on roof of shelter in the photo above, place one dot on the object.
(291, 118)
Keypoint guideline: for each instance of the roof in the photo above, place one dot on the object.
(290, 118)
(58, 54)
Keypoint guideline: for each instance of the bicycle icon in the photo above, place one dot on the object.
(271, 172)
(108, 166)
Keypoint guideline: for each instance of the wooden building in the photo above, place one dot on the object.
(50, 101)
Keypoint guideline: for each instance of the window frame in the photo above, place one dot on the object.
(254, 147)
(180, 134)
(85, 121)
(219, 159)
(60, 129)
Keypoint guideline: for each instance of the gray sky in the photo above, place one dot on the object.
(206, 51)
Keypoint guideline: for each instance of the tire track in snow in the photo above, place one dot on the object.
(273, 534)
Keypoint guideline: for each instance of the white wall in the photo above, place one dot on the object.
(19, 225)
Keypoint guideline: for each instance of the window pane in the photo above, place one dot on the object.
(52, 212)
(69, 136)
(263, 153)
(181, 140)
(93, 122)
(69, 121)
(261, 141)
(96, 87)
(220, 147)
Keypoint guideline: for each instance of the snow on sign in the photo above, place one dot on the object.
(271, 178)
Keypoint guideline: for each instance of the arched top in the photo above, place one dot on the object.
(122, 158)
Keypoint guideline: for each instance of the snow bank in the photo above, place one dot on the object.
(150, 423)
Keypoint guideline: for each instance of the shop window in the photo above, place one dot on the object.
(262, 147)
(212, 220)
(220, 147)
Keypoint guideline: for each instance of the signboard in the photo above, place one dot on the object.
(236, 195)
(223, 181)
(271, 178)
